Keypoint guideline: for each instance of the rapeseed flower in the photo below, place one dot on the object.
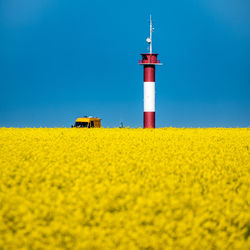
(124, 188)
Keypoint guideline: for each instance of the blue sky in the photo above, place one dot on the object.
(63, 59)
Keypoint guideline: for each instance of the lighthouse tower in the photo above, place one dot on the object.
(149, 61)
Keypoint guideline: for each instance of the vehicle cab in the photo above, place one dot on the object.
(87, 122)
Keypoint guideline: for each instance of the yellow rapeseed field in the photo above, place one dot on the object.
(124, 188)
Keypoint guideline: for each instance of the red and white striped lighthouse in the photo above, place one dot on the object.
(149, 60)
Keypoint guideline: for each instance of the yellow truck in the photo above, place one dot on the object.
(87, 122)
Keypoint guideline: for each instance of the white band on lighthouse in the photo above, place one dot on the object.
(149, 96)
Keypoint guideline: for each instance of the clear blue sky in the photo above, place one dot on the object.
(63, 59)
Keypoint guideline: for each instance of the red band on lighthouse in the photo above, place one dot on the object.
(149, 73)
(149, 120)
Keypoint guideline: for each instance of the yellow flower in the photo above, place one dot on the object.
(124, 189)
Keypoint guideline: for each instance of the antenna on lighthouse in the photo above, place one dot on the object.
(149, 39)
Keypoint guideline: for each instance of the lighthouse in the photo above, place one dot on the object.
(149, 61)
